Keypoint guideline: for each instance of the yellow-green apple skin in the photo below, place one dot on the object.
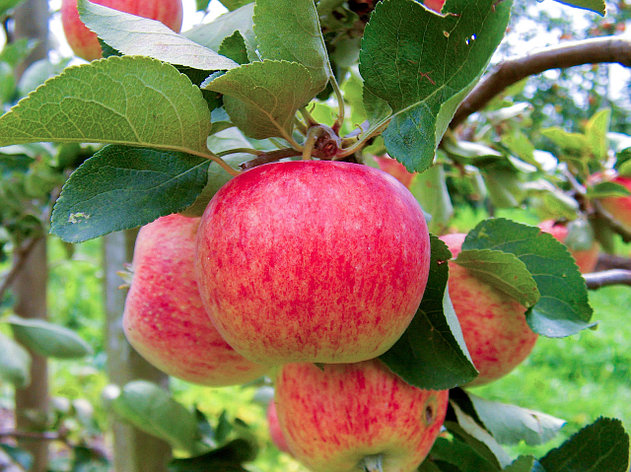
(493, 324)
(312, 261)
(85, 43)
(334, 416)
(164, 319)
(586, 260)
(275, 433)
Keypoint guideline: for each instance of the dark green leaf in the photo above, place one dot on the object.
(225, 459)
(430, 189)
(525, 464)
(417, 61)
(601, 446)
(431, 353)
(462, 455)
(289, 30)
(563, 308)
(607, 189)
(151, 409)
(49, 339)
(121, 187)
(598, 6)
(234, 48)
(234, 4)
(623, 162)
(201, 5)
(15, 363)
(504, 271)
(17, 455)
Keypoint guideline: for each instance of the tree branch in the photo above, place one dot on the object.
(609, 261)
(22, 254)
(606, 49)
(596, 280)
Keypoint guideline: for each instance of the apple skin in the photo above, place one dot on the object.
(84, 42)
(335, 415)
(619, 207)
(395, 169)
(312, 261)
(493, 324)
(436, 5)
(275, 433)
(585, 260)
(164, 319)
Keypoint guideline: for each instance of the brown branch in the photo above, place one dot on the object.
(610, 261)
(596, 280)
(22, 254)
(606, 49)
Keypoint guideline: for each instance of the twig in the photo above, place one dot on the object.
(606, 49)
(609, 261)
(596, 280)
(271, 156)
(53, 436)
(21, 255)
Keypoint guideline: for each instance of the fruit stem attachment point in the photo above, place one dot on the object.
(372, 463)
(340, 104)
(312, 136)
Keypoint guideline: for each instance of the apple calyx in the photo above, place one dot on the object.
(372, 463)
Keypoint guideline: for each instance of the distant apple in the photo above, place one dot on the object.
(339, 418)
(585, 259)
(276, 435)
(164, 319)
(312, 261)
(395, 169)
(493, 324)
(435, 5)
(619, 207)
(85, 43)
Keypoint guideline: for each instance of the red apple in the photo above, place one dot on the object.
(312, 261)
(493, 324)
(84, 42)
(276, 434)
(586, 260)
(164, 319)
(619, 207)
(337, 418)
(395, 169)
(436, 5)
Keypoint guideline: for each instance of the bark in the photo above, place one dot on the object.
(134, 451)
(31, 280)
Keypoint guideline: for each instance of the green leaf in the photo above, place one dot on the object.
(462, 455)
(15, 363)
(119, 100)
(597, 6)
(607, 189)
(596, 133)
(227, 458)
(430, 189)
(134, 35)
(48, 339)
(576, 143)
(601, 446)
(262, 98)
(7, 5)
(15, 52)
(510, 424)
(563, 308)
(417, 61)
(525, 464)
(504, 271)
(234, 4)
(623, 162)
(18, 455)
(431, 354)
(152, 410)
(234, 47)
(122, 187)
(289, 30)
(475, 152)
(505, 187)
(212, 34)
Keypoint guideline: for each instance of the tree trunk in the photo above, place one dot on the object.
(31, 402)
(30, 284)
(134, 451)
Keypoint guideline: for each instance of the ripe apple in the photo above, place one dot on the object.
(339, 418)
(585, 259)
(276, 434)
(619, 207)
(84, 42)
(164, 319)
(312, 261)
(436, 5)
(395, 169)
(493, 324)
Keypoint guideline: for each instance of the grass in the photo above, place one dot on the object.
(578, 378)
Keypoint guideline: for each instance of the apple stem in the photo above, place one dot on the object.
(372, 463)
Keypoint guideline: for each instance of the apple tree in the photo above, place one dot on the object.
(245, 148)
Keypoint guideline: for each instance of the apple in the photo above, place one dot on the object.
(585, 259)
(619, 207)
(164, 319)
(312, 261)
(343, 417)
(84, 42)
(395, 169)
(493, 324)
(276, 434)
(436, 5)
